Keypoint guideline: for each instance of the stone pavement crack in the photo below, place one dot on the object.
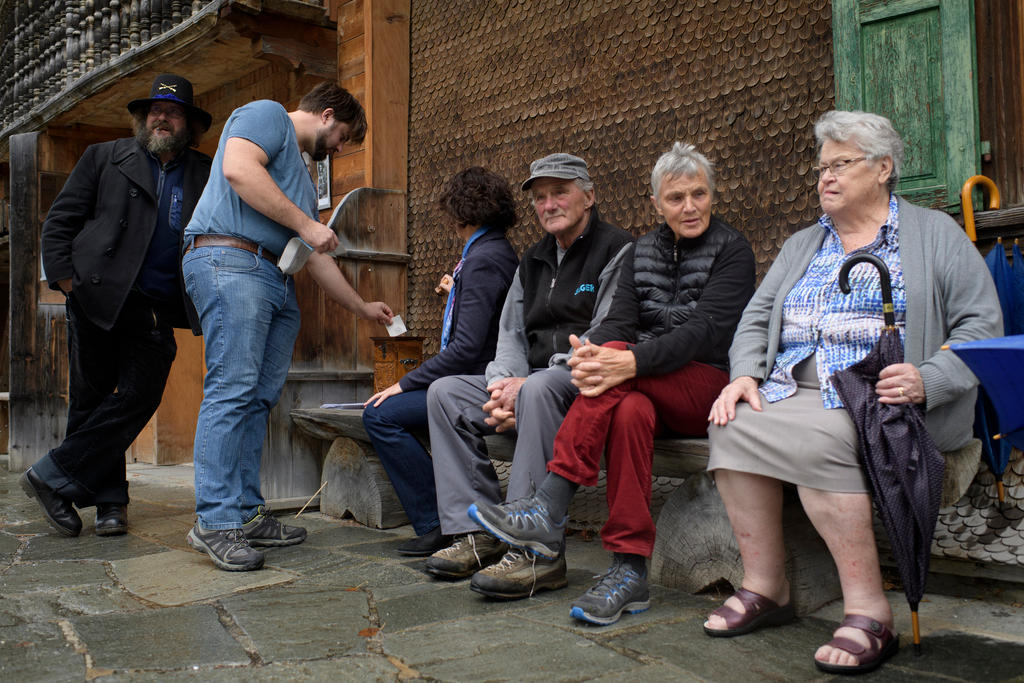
(227, 620)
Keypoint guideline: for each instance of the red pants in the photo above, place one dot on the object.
(622, 423)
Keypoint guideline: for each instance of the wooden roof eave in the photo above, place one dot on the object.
(220, 44)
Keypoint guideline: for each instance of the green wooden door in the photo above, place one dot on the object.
(913, 61)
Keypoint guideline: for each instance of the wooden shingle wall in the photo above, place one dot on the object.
(616, 82)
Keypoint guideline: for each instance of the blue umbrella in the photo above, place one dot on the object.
(1018, 290)
(999, 365)
(1008, 280)
(1002, 275)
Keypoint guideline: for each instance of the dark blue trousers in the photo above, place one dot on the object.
(391, 428)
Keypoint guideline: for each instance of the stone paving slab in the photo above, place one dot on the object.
(168, 530)
(38, 652)
(302, 622)
(8, 547)
(169, 638)
(176, 577)
(503, 648)
(88, 546)
(341, 535)
(98, 599)
(362, 668)
(356, 572)
(49, 576)
(957, 657)
(649, 673)
(772, 654)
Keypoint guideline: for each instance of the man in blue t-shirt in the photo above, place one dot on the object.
(259, 196)
(112, 245)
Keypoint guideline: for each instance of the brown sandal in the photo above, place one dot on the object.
(883, 645)
(760, 612)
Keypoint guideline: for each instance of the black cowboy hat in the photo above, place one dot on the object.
(173, 88)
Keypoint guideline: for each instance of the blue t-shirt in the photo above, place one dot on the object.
(221, 211)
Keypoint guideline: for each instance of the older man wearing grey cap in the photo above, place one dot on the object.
(564, 286)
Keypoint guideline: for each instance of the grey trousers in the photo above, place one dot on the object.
(462, 471)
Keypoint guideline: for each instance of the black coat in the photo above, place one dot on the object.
(479, 294)
(99, 228)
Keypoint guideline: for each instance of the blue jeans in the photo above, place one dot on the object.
(390, 427)
(250, 321)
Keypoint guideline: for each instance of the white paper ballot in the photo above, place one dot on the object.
(396, 327)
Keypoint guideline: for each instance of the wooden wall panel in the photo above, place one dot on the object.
(1000, 50)
(616, 82)
(38, 338)
(386, 26)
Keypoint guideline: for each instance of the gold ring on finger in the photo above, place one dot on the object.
(900, 390)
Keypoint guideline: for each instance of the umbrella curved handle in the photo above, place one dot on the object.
(883, 275)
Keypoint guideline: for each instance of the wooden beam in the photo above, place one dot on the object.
(304, 47)
(386, 36)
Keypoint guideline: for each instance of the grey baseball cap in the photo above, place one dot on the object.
(558, 165)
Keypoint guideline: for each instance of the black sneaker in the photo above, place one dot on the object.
(425, 545)
(264, 530)
(620, 590)
(228, 548)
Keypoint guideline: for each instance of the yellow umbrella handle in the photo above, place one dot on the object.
(968, 205)
(917, 632)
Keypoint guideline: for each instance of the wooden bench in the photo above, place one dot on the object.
(695, 549)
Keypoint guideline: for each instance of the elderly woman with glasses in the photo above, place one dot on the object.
(780, 419)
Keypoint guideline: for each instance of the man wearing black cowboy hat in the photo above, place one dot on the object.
(112, 244)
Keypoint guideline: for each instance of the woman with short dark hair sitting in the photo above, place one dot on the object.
(479, 207)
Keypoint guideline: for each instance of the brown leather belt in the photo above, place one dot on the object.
(236, 242)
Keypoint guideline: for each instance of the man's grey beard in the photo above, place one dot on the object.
(161, 145)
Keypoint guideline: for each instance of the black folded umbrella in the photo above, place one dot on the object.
(904, 466)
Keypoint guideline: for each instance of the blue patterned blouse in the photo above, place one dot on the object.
(840, 328)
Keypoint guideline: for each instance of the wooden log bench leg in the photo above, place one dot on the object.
(357, 485)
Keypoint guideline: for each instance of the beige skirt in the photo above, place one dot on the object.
(794, 440)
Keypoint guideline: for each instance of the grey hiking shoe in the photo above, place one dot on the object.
(620, 589)
(466, 555)
(523, 523)
(228, 548)
(520, 574)
(265, 530)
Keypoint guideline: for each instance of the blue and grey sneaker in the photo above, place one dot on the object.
(524, 524)
(620, 589)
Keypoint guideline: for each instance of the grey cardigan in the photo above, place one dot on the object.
(950, 298)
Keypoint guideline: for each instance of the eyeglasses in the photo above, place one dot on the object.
(838, 167)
